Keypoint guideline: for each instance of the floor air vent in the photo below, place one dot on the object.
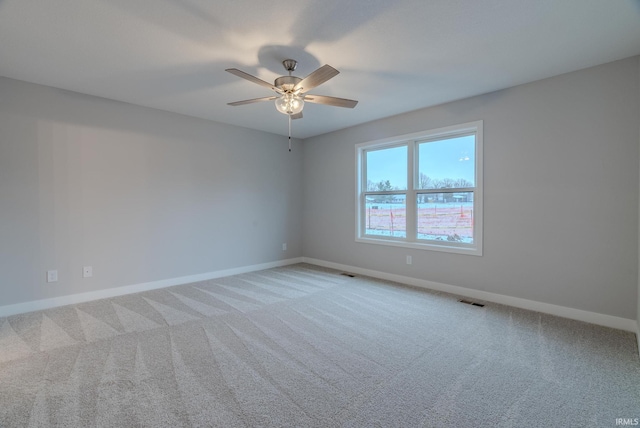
(469, 302)
(350, 275)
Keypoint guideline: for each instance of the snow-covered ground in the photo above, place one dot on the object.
(452, 222)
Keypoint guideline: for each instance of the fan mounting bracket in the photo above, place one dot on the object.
(290, 65)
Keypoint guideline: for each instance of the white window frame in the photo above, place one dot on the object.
(412, 142)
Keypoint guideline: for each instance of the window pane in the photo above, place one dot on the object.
(386, 215)
(446, 217)
(387, 169)
(447, 163)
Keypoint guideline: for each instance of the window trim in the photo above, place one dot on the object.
(412, 141)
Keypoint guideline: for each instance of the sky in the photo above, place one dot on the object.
(452, 158)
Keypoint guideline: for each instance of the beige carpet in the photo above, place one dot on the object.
(302, 346)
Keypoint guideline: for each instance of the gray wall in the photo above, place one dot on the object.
(144, 195)
(139, 194)
(561, 192)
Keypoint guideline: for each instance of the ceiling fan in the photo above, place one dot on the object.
(292, 91)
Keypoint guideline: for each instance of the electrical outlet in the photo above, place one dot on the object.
(87, 272)
(409, 260)
(52, 276)
(284, 246)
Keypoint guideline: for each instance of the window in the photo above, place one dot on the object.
(422, 190)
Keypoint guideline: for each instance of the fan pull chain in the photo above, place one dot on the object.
(289, 132)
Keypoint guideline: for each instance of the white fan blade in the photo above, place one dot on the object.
(330, 101)
(254, 100)
(316, 78)
(251, 78)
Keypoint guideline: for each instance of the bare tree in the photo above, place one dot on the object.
(447, 183)
(425, 181)
(461, 183)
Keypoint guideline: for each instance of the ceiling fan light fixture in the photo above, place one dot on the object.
(289, 104)
(291, 91)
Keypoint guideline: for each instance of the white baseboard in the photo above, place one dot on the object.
(547, 308)
(54, 302)
(561, 311)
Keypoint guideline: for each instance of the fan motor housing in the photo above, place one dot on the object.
(286, 83)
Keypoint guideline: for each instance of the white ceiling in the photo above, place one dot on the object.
(394, 56)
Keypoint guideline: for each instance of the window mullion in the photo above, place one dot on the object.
(447, 190)
(362, 195)
(410, 200)
(386, 192)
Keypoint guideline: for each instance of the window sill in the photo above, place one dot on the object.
(449, 248)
